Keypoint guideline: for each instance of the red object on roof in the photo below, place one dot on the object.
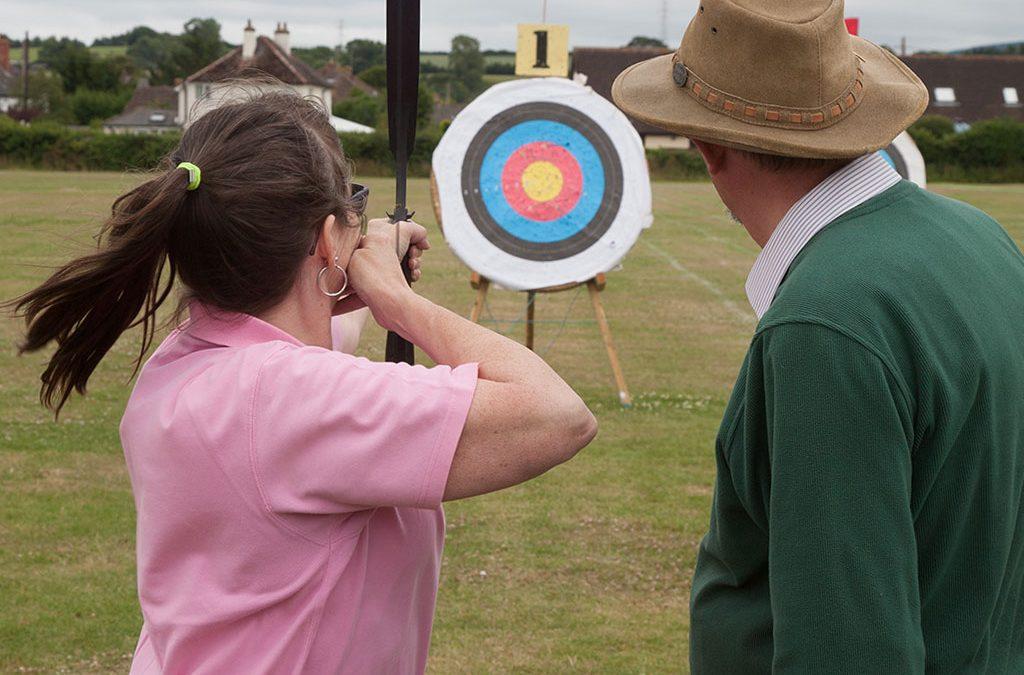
(853, 25)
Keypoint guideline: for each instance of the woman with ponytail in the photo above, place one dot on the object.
(288, 495)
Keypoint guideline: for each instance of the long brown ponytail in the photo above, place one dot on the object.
(272, 170)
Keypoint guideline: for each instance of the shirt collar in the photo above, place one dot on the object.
(854, 184)
(230, 329)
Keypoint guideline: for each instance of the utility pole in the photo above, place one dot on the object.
(664, 21)
(24, 76)
(341, 41)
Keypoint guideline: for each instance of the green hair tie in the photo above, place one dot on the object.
(194, 174)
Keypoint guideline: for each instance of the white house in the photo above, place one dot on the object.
(258, 55)
(10, 81)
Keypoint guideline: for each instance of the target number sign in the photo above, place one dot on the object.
(541, 183)
(542, 50)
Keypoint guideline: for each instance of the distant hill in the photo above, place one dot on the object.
(1005, 48)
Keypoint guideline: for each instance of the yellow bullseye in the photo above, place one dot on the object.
(542, 181)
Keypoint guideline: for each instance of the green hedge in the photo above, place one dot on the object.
(52, 146)
(990, 151)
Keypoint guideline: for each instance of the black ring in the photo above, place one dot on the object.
(502, 238)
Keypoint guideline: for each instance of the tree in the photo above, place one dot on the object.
(160, 56)
(363, 54)
(70, 58)
(202, 45)
(87, 105)
(166, 57)
(110, 73)
(424, 107)
(46, 92)
(467, 63)
(361, 108)
(316, 57)
(375, 76)
(125, 39)
(642, 41)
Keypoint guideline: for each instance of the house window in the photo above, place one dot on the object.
(945, 96)
(1010, 96)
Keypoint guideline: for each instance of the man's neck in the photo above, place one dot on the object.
(768, 196)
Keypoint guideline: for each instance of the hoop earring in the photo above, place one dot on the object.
(320, 280)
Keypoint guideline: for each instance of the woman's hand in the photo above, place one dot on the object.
(375, 271)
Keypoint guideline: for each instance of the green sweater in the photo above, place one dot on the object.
(868, 513)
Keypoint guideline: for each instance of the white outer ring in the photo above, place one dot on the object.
(479, 253)
(912, 159)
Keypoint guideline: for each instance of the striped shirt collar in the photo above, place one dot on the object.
(854, 184)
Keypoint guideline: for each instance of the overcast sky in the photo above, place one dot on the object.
(927, 24)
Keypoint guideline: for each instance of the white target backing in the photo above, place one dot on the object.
(903, 155)
(541, 183)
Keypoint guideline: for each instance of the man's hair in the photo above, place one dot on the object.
(781, 164)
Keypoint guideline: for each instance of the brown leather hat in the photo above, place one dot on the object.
(777, 76)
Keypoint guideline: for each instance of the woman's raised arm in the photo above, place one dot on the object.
(524, 418)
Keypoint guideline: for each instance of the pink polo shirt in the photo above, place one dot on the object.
(288, 500)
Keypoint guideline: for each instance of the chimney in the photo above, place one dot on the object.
(282, 38)
(5, 55)
(248, 40)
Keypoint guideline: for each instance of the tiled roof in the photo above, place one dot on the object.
(162, 97)
(156, 118)
(268, 59)
(343, 81)
(977, 82)
(602, 65)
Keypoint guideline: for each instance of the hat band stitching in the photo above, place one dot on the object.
(763, 114)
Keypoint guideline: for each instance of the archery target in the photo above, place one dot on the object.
(531, 181)
(903, 155)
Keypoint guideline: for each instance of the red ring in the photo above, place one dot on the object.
(512, 181)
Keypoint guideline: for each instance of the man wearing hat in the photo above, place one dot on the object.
(868, 513)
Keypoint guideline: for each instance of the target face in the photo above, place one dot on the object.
(524, 176)
(531, 184)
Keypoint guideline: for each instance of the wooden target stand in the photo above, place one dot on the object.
(594, 286)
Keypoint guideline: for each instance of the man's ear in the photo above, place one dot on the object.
(714, 155)
(325, 243)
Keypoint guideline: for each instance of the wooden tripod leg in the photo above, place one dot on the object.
(531, 298)
(606, 334)
(481, 284)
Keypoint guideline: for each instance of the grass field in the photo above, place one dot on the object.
(441, 60)
(586, 569)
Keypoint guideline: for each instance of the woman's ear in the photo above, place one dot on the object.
(327, 242)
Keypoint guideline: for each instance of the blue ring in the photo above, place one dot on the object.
(592, 189)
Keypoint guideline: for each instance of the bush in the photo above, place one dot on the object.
(990, 151)
(361, 108)
(676, 165)
(87, 105)
(500, 68)
(991, 143)
(937, 125)
(52, 146)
